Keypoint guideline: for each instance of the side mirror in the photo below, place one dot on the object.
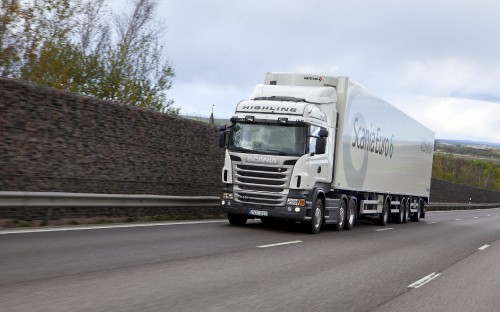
(323, 133)
(222, 136)
(321, 145)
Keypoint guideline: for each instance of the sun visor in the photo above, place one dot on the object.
(318, 95)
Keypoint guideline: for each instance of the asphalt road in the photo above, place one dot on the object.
(447, 262)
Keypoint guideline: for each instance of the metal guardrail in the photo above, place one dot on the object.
(459, 206)
(59, 199)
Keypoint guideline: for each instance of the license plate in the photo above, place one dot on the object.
(259, 213)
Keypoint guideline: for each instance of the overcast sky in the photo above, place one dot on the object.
(438, 61)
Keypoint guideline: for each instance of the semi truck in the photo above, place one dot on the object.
(322, 150)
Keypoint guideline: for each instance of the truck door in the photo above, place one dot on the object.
(318, 162)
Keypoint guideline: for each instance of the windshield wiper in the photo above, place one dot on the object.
(275, 152)
(240, 149)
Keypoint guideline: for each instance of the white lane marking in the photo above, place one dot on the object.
(483, 247)
(431, 222)
(100, 227)
(476, 217)
(424, 280)
(279, 244)
(386, 229)
(458, 219)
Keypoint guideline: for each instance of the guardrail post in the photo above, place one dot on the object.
(48, 215)
(137, 213)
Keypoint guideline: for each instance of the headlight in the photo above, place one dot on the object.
(296, 201)
(227, 195)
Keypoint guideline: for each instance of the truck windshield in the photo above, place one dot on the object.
(268, 138)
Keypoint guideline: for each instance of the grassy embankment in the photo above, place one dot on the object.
(473, 166)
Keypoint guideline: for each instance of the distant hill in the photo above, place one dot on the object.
(468, 143)
(217, 121)
(469, 149)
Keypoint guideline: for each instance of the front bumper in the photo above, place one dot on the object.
(289, 212)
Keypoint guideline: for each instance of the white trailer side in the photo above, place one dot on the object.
(379, 148)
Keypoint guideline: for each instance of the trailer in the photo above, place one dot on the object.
(322, 150)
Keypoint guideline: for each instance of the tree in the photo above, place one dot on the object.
(136, 73)
(10, 12)
(81, 47)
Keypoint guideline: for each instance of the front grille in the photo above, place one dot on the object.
(260, 184)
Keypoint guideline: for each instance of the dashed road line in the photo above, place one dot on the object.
(483, 247)
(433, 222)
(279, 244)
(424, 280)
(386, 229)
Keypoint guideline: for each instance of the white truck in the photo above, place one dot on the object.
(322, 150)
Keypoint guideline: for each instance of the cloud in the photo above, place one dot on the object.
(444, 53)
(454, 118)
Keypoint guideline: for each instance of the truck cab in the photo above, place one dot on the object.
(277, 162)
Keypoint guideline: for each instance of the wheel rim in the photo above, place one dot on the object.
(317, 215)
(351, 216)
(341, 215)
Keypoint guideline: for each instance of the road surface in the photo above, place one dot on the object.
(447, 262)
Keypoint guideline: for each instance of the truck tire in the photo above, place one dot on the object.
(316, 223)
(416, 216)
(342, 216)
(350, 217)
(407, 212)
(236, 219)
(384, 216)
(398, 217)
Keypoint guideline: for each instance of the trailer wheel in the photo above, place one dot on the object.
(399, 217)
(315, 225)
(384, 216)
(236, 219)
(350, 217)
(342, 216)
(416, 216)
(407, 211)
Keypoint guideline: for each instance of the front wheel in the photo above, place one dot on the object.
(236, 219)
(314, 226)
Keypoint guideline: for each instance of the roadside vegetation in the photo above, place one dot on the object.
(472, 166)
(82, 46)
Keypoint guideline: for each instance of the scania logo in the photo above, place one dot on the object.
(262, 160)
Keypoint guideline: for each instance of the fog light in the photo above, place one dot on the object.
(223, 202)
(297, 209)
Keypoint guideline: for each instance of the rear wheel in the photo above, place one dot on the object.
(416, 216)
(407, 212)
(342, 213)
(398, 217)
(384, 216)
(236, 219)
(350, 218)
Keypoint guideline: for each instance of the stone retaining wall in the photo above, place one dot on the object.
(58, 141)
